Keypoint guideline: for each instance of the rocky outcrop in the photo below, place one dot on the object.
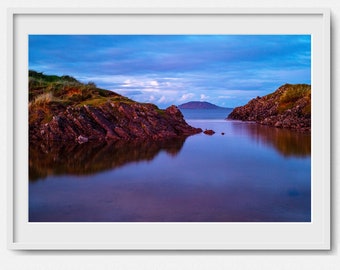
(71, 111)
(209, 132)
(110, 121)
(288, 107)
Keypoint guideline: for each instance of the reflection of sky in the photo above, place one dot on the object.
(227, 70)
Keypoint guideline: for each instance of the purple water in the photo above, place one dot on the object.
(252, 173)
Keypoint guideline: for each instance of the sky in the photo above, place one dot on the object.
(226, 70)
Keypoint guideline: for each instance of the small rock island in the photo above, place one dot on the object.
(63, 109)
(288, 107)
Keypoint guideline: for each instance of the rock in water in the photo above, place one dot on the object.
(209, 132)
(288, 107)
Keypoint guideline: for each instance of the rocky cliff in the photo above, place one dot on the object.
(288, 107)
(63, 109)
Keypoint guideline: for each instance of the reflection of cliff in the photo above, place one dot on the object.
(89, 158)
(286, 142)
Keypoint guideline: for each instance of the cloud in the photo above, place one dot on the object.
(204, 97)
(225, 97)
(162, 99)
(129, 93)
(154, 83)
(177, 68)
(187, 96)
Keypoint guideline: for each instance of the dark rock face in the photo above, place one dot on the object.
(109, 121)
(288, 107)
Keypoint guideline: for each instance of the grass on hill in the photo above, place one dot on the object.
(294, 93)
(66, 90)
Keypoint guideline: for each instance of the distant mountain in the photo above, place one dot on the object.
(199, 105)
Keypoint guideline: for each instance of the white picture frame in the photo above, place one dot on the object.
(22, 234)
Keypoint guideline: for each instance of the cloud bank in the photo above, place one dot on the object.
(226, 70)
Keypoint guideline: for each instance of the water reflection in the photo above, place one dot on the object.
(235, 177)
(59, 158)
(286, 142)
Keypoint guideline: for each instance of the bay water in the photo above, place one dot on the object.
(245, 172)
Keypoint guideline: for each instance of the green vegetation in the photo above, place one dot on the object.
(43, 99)
(66, 90)
(295, 92)
(50, 94)
(292, 94)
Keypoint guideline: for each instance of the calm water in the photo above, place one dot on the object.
(251, 173)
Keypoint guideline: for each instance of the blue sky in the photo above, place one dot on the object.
(227, 70)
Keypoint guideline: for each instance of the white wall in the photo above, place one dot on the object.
(171, 260)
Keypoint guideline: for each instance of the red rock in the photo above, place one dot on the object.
(103, 122)
(278, 111)
(81, 113)
(209, 132)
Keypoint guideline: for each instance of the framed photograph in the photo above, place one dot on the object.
(169, 129)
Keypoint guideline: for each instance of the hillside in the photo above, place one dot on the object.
(199, 105)
(288, 107)
(64, 109)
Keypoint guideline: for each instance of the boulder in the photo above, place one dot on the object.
(81, 139)
(209, 132)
